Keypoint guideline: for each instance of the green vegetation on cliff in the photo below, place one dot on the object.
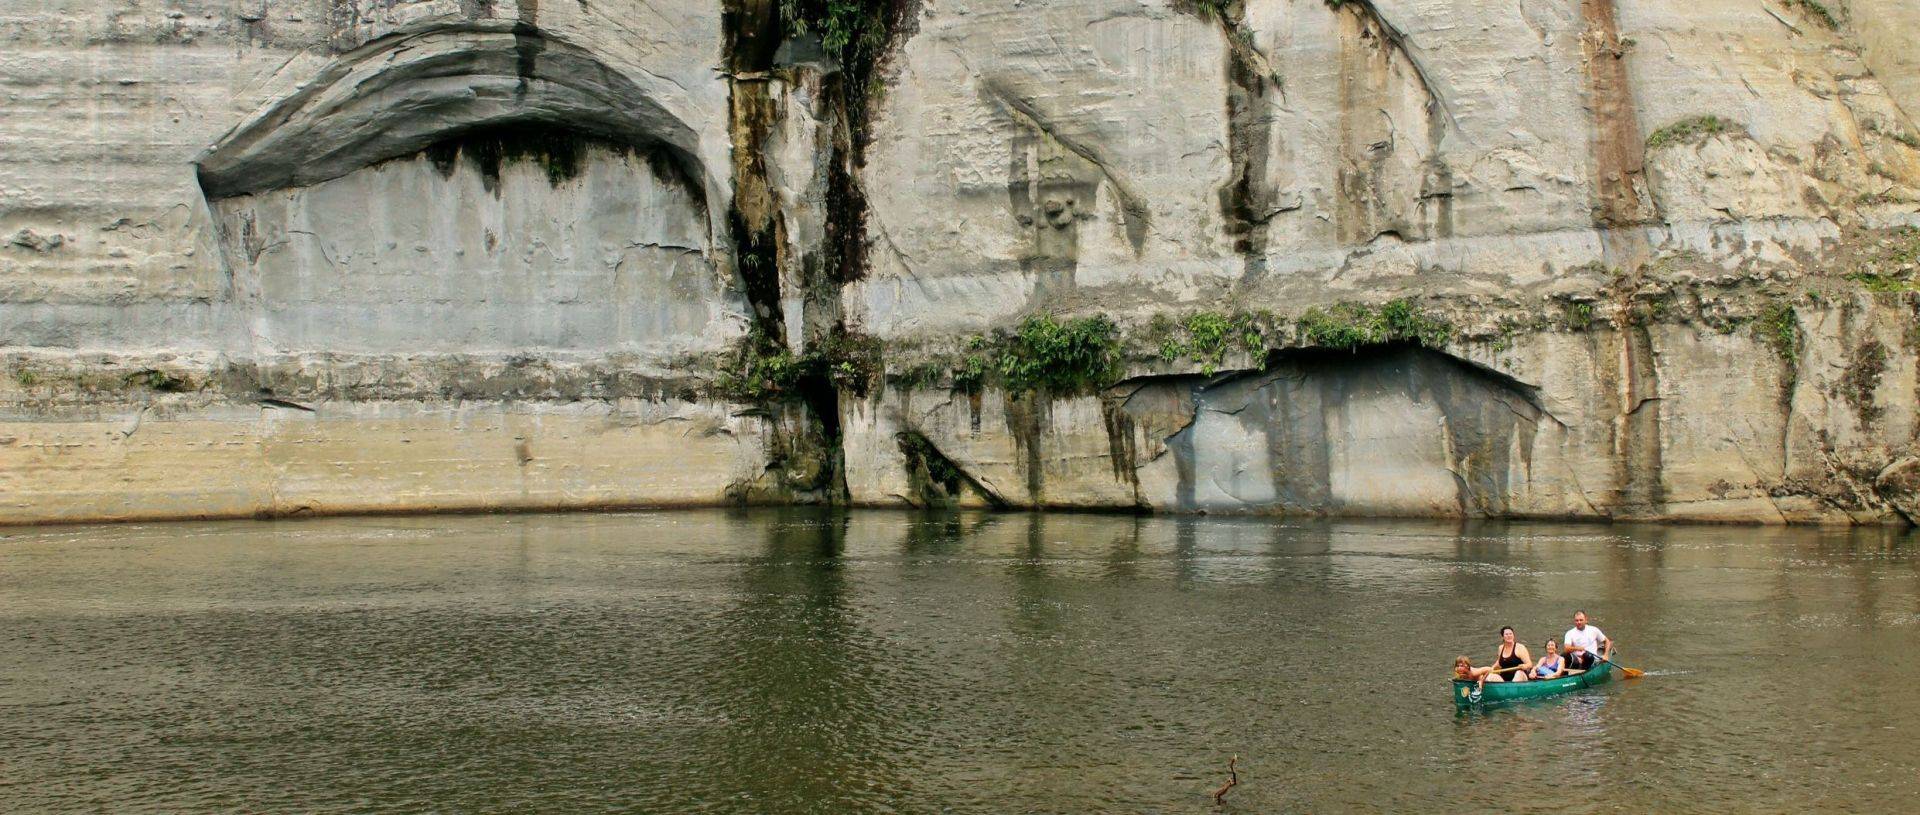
(1818, 11)
(763, 371)
(1577, 316)
(1207, 337)
(1686, 131)
(1059, 356)
(1044, 354)
(1348, 326)
(1862, 378)
(1890, 263)
(841, 24)
(1779, 330)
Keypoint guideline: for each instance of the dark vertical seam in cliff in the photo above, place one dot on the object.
(1309, 453)
(527, 44)
(1643, 491)
(1459, 450)
(1184, 451)
(1619, 156)
(843, 255)
(1247, 199)
(755, 32)
(862, 61)
(1347, 223)
(1790, 383)
(752, 34)
(1437, 190)
(1620, 202)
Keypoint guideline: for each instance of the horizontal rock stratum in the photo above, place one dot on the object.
(1455, 258)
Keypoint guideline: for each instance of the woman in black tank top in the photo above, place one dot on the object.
(1512, 662)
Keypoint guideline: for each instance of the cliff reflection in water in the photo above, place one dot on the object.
(812, 661)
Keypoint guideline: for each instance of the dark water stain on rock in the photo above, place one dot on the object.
(1247, 200)
(882, 27)
(1122, 447)
(1291, 410)
(770, 269)
(1029, 416)
(562, 152)
(527, 47)
(1484, 429)
(559, 151)
(1153, 411)
(753, 34)
(1297, 404)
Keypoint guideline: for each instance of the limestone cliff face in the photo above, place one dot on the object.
(1583, 258)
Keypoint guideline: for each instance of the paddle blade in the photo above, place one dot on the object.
(1632, 673)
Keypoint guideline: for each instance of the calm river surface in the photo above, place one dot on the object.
(788, 661)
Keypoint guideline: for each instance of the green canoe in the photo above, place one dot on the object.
(1494, 693)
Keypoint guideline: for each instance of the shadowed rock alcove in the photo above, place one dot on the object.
(1389, 429)
(479, 190)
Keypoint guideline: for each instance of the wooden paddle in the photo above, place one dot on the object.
(1630, 673)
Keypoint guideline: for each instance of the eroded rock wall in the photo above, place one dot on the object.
(288, 256)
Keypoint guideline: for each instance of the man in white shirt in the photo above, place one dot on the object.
(1583, 641)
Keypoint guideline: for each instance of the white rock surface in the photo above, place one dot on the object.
(237, 277)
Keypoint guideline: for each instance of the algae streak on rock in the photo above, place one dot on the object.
(1370, 257)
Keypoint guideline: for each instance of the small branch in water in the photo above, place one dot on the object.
(1233, 780)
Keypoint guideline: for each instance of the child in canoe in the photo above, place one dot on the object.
(1463, 670)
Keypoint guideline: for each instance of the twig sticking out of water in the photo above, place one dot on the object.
(1233, 780)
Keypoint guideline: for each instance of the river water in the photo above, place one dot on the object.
(790, 661)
